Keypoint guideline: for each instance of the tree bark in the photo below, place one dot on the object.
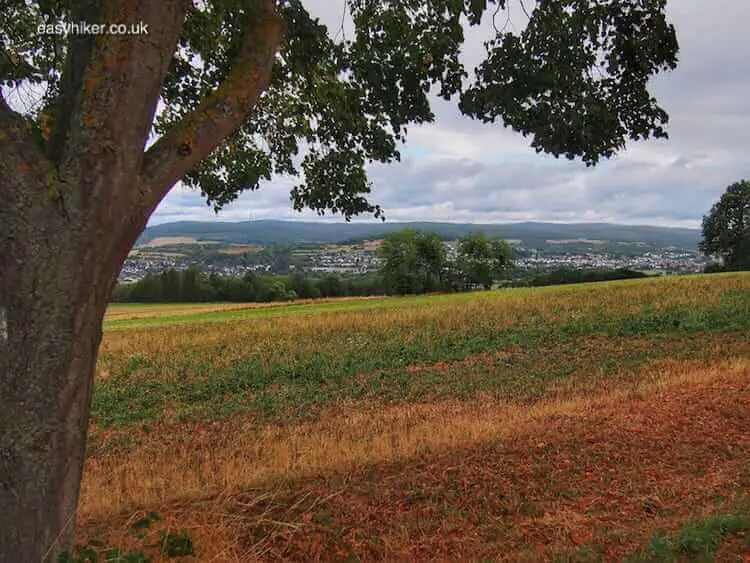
(53, 292)
(70, 212)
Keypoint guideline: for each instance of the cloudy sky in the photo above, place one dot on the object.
(460, 170)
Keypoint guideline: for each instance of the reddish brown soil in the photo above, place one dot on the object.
(599, 481)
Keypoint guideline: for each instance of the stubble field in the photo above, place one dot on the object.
(597, 422)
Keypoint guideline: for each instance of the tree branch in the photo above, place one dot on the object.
(221, 113)
(17, 147)
(23, 171)
(79, 52)
(111, 86)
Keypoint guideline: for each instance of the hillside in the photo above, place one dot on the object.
(593, 423)
(530, 234)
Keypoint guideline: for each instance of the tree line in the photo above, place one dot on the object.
(726, 230)
(418, 262)
(411, 262)
(192, 285)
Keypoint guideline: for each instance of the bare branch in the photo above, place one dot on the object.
(341, 31)
(500, 5)
(525, 11)
(221, 113)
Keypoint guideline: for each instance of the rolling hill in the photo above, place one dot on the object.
(531, 234)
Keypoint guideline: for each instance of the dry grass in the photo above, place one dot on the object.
(223, 342)
(238, 337)
(198, 459)
(575, 463)
(499, 481)
(236, 249)
(171, 241)
(129, 311)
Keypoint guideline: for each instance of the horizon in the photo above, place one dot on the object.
(339, 221)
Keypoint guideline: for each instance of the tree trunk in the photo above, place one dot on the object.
(46, 391)
(70, 210)
(55, 278)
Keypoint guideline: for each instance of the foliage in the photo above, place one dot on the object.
(416, 262)
(169, 544)
(696, 541)
(412, 262)
(400, 274)
(481, 261)
(578, 275)
(175, 544)
(574, 78)
(713, 268)
(313, 356)
(726, 228)
(193, 286)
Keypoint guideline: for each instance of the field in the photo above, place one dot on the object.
(235, 249)
(597, 422)
(171, 241)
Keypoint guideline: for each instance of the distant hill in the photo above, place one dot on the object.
(533, 235)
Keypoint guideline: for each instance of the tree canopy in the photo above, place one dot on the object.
(574, 79)
(412, 262)
(481, 261)
(418, 262)
(726, 228)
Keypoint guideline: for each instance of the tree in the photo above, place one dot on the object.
(398, 256)
(223, 94)
(148, 289)
(301, 285)
(726, 228)
(473, 261)
(277, 291)
(170, 285)
(253, 286)
(331, 286)
(481, 261)
(191, 284)
(501, 258)
(412, 261)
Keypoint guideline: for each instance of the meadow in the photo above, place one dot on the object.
(594, 422)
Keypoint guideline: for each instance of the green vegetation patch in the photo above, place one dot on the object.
(697, 541)
(295, 376)
(281, 310)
